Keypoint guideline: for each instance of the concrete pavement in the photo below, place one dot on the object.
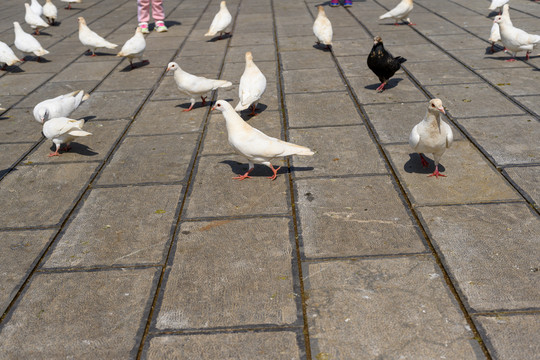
(138, 244)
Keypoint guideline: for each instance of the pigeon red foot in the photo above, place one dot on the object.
(436, 173)
(273, 177)
(245, 176)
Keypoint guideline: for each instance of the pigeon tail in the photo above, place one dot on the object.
(222, 84)
(41, 52)
(400, 59)
(293, 149)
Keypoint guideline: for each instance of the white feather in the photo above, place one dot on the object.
(252, 84)
(50, 11)
(60, 106)
(134, 47)
(63, 130)
(322, 28)
(89, 38)
(515, 39)
(26, 42)
(7, 56)
(400, 12)
(220, 22)
(33, 19)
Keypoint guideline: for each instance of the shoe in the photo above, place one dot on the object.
(160, 27)
(144, 28)
(347, 3)
(334, 3)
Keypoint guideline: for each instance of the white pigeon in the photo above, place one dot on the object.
(134, 47)
(34, 20)
(400, 12)
(515, 39)
(432, 135)
(252, 85)
(27, 43)
(222, 19)
(63, 130)
(497, 4)
(60, 106)
(193, 85)
(495, 34)
(253, 144)
(69, 3)
(7, 56)
(50, 11)
(36, 8)
(91, 39)
(322, 28)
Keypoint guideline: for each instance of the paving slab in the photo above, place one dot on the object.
(22, 84)
(64, 320)
(508, 139)
(527, 179)
(122, 104)
(240, 346)
(208, 66)
(334, 155)
(304, 42)
(306, 59)
(428, 72)
(20, 253)
(398, 89)
(255, 37)
(469, 177)
(232, 197)
(263, 52)
(489, 251)
(472, 100)
(118, 226)
(511, 337)
(51, 90)
(530, 102)
(19, 125)
(393, 123)
(166, 117)
(248, 282)
(166, 158)
(334, 224)
(133, 79)
(304, 110)
(480, 59)
(10, 154)
(515, 81)
(379, 308)
(95, 147)
(326, 79)
(82, 72)
(26, 207)
(234, 70)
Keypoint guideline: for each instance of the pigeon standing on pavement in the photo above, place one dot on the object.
(63, 130)
(91, 39)
(27, 43)
(222, 19)
(7, 56)
(515, 39)
(252, 85)
(50, 12)
(69, 3)
(322, 28)
(134, 47)
(432, 135)
(497, 5)
(34, 20)
(253, 144)
(193, 85)
(36, 8)
(60, 106)
(495, 34)
(382, 63)
(400, 12)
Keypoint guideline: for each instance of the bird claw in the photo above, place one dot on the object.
(53, 154)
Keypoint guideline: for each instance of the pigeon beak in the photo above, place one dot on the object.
(168, 68)
(213, 108)
(442, 110)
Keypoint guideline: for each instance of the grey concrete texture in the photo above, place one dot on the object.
(138, 243)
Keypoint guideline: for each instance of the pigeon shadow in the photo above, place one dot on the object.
(414, 165)
(496, 48)
(261, 170)
(322, 47)
(493, 14)
(3, 172)
(172, 23)
(217, 38)
(258, 110)
(136, 66)
(39, 59)
(13, 69)
(42, 33)
(89, 53)
(197, 105)
(56, 23)
(77, 149)
(392, 83)
(327, 3)
(88, 118)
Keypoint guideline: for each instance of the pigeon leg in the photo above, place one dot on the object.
(191, 107)
(396, 24)
(527, 55)
(492, 48)
(424, 161)
(56, 153)
(436, 173)
(245, 176)
(68, 7)
(36, 32)
(203, 100)
(511, 59)
(273, 177)
(66, 147)
(381, 87)
(252, 113)
(3, 67)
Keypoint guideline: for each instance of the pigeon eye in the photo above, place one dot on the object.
(432, 105)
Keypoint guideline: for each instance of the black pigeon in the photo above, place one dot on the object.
(382, 63)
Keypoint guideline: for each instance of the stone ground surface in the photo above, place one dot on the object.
(138, 244)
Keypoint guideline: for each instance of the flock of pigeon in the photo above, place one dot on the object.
(431, 135)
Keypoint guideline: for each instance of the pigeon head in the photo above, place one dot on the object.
(81, 20)
(138, 30)
(498, 19)
(435, 105)
(377, 39)
(222, 4)
(43, 115)
(249, 56)
(321, 9)
(172, 66)
(221, 105)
